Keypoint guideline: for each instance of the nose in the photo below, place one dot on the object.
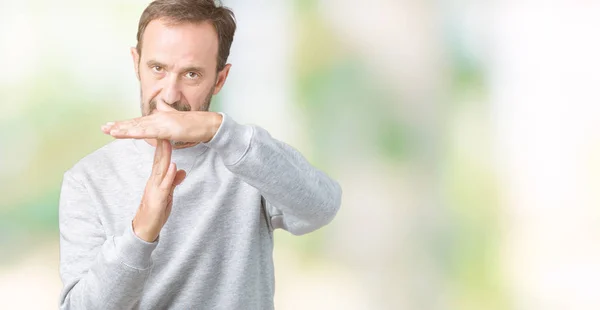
(170, 93)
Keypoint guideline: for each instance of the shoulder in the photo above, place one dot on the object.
(101, 159)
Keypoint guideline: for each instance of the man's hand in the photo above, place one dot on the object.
(169, 124)
(157, 201)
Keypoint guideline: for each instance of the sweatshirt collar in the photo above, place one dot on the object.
(182, 157)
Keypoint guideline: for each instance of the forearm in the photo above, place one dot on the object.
(115, 279)
(306, 196)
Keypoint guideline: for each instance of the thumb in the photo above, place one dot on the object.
(179, 177)
(163, 107)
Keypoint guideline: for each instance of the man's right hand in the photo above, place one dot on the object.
(157, 201)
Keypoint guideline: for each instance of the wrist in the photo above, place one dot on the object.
(232, 140)
(140, 232)
(215, 123)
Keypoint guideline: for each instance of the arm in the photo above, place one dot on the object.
(97, 272)
(299, 197)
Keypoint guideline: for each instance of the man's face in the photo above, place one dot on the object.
(178, 65)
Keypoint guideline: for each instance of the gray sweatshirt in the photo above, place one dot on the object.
(215, 251)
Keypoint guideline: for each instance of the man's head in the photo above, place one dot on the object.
(181, 53)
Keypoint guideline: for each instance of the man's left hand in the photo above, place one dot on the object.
(191, 127)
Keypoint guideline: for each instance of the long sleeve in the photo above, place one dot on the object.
(97, 271)
(299, 198)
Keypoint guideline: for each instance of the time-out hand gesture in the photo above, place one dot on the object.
(169, 124)
(157, 201)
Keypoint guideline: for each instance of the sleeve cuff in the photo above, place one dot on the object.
(232, 140)
(133, 251)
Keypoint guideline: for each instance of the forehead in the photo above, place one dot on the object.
(182, 43)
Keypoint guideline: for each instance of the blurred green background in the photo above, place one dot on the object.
(465, 135)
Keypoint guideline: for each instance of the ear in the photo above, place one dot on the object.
(136, 61)
(221, 77)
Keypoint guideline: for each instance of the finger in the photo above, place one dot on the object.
(179, 177)
(107, 127)
(167, 181)
(163, 107)
(131, 122)
(137, 128)
(162, 160)
(123, 124)
(156, 167)
(165, 160)
(136, 133)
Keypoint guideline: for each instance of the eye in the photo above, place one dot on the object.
(157, 69)
(192, 75)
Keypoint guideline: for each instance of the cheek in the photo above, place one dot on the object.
(148, 87)
(146, 79)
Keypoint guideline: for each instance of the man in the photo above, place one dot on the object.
(179, 211)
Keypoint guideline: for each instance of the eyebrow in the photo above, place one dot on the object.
(152, 63)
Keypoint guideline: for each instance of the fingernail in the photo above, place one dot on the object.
(110, 123)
